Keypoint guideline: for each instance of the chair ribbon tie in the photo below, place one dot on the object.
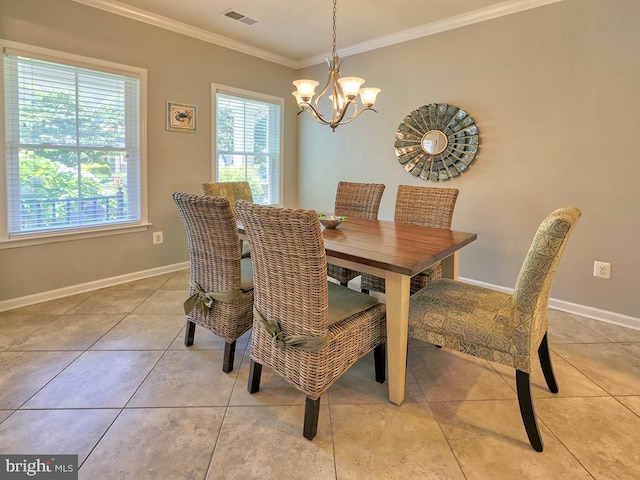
(301, 342)
(203, 301)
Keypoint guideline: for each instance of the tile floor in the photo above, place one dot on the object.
(105, 375)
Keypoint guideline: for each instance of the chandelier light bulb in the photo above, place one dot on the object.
(350, 86)
(299, 100)
(306, 88)
(368, 96)
(339, 103)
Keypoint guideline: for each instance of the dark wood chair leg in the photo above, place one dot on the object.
(311, 413)
(545, 363)
(379, 354)
(255, 371)
(229, 355)
(526, 410)
(365, 290)
(189, 333)
(344, 284)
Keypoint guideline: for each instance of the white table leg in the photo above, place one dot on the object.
(397, 295)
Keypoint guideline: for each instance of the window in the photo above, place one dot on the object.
(73, 155)
(248, 139)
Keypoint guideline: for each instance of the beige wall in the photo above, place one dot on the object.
(554, 92)
(180, 69)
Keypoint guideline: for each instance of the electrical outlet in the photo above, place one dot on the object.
(602, 269)
(157, 237)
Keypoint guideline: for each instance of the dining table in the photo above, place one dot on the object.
(396, 252)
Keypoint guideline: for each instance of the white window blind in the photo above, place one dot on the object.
(248, 139)
(72, 146)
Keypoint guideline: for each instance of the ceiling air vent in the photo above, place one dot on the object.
(239, 17)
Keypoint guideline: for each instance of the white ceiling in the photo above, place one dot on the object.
(298, 33)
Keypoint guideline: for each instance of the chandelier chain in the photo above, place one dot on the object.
(335, 9)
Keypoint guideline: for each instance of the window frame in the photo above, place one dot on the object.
(21, 240)
(249, 95)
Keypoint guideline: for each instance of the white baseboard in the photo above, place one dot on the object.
(589, 312)
(87, 287)
(582, 310)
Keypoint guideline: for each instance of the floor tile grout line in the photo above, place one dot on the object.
(21, 407)
(622, 345)
(224, 416)
(446, 439)
(17, 342)
(125, 315)
(95, 445)
(136, 390)
(218, 444)
(565, 446)
(333, 441)
(215, 444)
(617, 398)
(444, 435)
(132, 395)
(585, 374)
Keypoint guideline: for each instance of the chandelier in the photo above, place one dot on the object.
(343, 92)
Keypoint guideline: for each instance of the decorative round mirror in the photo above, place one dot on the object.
(434, 142)
(437, 142)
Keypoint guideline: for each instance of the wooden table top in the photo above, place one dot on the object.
(397, 247)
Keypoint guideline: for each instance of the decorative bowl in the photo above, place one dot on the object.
(330, 221)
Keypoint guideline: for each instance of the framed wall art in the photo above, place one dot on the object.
(182, 117)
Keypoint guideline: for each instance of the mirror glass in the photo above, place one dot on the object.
(434, 142)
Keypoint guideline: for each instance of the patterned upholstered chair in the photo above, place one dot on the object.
(308, 330)
(355, 200)
(427, 206)
(221, 282)
(233, 191)
(496, 326)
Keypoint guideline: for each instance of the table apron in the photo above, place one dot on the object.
(449, 266)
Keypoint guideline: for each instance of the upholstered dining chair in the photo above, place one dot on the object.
(221, 282)
(355, 200)
(496, 326)
(417, 205)
(306, 329)
(233, 191)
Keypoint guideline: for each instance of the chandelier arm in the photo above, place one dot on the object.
(337, 110)
(343, 112)
(308, 107)
(355, 115)
(322, 92)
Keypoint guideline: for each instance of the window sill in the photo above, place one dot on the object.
(27, 241)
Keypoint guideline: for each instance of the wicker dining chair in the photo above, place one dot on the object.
(504, 328)
(308, 330)
(233, 191)
(221, 282)
(355, 200)
(427, 206)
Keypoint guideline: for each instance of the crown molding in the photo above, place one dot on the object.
(481, 15)
(507, 7)
(144, 16)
